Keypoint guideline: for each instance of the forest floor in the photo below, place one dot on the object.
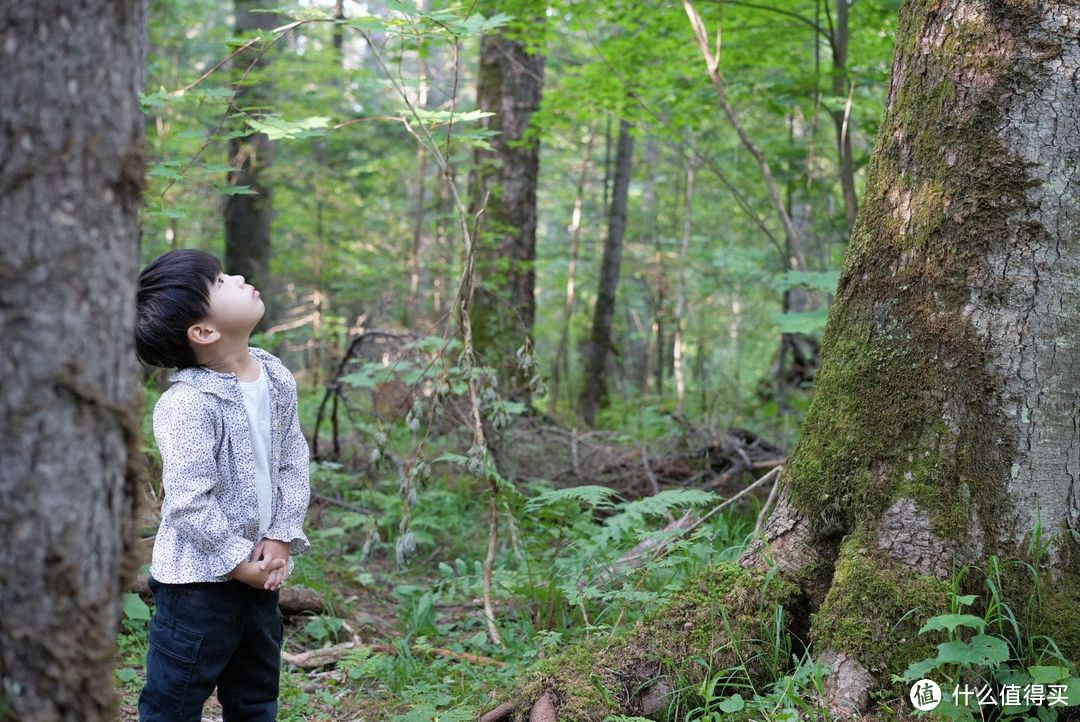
(424, 650)
(356, 688)
(316, 695)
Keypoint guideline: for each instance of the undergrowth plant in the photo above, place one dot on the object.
(993, 665)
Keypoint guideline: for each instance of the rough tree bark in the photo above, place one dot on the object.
(503, 184)
(594, 384)
(944, 422)
(248, 216)
(71, 178)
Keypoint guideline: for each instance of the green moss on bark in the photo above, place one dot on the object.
(869, 594)
(905, 404)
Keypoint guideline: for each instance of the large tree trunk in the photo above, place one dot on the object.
(944, 425)
(71, 177)
(248, 215)
(594, 389)
(503, 184)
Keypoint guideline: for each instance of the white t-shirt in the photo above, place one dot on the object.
(257, 402)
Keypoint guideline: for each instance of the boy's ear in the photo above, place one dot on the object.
(202, 333)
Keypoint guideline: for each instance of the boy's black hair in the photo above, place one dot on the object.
(173, 293)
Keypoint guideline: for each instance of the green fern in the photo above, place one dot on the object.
(597, 497)
(633, 515)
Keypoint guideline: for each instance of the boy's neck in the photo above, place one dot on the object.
(234, 360)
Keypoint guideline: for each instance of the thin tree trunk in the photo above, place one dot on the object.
(571, 275)
(943, 428)
(594, 391)
(248, 216)
(339, 32)
(412, 301)
(503, 183)
(680, 302)
(649, 210)
(842, 116)
(71, 180)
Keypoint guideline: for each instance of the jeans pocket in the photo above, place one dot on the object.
(170, 661)
(179, 643)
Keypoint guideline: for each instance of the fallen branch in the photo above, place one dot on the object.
(656, 546)
(732, 500)
(498, 714)
(767, 508)
(292, 600)
(636, 556)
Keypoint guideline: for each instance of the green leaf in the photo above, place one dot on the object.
(595, 496)
(734, 703)
(231, 190)
(478, 24)
(277, 128)
(366, 22)
(402, 6)
(952, 621)
(153, 100)
(982, 650)
(127, 674)
(440, 117)
(1047, 675)
(135, 607)
(162, 170)
(918, 670)
(1073, 684)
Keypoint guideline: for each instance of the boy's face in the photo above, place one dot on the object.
(235, 308)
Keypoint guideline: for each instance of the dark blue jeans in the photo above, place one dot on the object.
(204, 634)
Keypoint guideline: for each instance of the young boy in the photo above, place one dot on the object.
(235, 477)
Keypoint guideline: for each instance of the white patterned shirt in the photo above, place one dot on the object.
(210, 513)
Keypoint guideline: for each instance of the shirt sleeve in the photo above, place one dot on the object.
(287, 524)
(185, 434)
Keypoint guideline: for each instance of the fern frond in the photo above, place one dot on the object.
(597, 497)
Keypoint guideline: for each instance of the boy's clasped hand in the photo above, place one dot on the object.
(269, 567)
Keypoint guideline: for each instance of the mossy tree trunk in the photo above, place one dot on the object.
(944, 426)
(502, 190)
(71, 177)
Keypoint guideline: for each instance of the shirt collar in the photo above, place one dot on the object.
(225, 384)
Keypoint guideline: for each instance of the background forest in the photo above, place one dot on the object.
(335, 154)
